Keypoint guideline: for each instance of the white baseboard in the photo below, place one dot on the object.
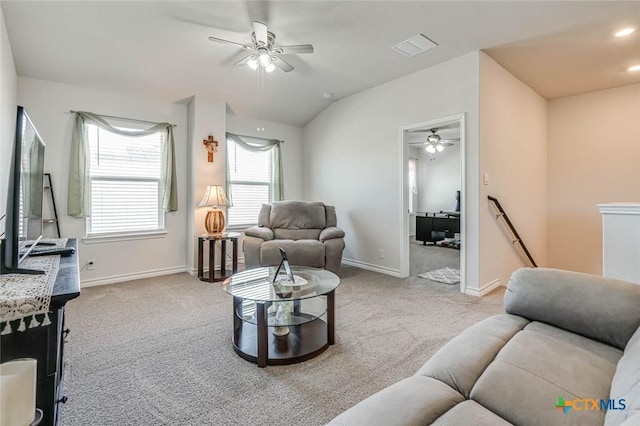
(371, 267)
(484, 290)
(134, 276)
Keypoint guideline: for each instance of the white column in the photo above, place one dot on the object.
(621, 241)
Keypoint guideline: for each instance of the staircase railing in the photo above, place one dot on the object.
(516, 237)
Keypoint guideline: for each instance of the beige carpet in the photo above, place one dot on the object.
(428, 258)
(158, 352)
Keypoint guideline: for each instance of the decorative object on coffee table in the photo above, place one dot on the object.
(213, 197)
(282, 319)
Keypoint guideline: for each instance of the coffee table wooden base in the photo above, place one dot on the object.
(311, 325)
(303, 342)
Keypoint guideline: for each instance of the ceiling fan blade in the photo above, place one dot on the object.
(221, 40)
(260, 30)
(297, 49)
(284, 66)
(452, 140)
(243, 61)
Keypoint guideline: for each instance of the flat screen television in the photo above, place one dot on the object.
(23, 221)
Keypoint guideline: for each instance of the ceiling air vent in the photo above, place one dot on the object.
(414, 45)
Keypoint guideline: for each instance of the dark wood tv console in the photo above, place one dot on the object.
(46, 344)
(434, 227)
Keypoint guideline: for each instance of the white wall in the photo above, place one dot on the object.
(8, 93)
(291, 149)
(438, 179)
(594, 158)
(513, 151)
(353, 149)
(207, 116)
(48, 105)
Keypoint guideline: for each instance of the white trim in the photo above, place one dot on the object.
(404, 202)
(372, 267)
(484, 290)
(134, 276)
(620, 208)
(95, 239)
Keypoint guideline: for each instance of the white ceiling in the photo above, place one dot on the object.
(160, 49)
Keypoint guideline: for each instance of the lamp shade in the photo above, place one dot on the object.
(214, 196)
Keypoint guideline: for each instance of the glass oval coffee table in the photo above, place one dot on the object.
(282, 323)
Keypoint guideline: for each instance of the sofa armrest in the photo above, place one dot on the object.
(331, 233)
(259, 232)
(415, 400)
(600, 308)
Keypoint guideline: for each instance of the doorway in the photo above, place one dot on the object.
(432, 156)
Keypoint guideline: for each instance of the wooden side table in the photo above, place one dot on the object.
(223, 237)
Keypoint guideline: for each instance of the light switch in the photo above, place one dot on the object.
(485, 178)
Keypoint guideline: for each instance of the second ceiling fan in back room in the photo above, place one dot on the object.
(265, 52)
(434, 142)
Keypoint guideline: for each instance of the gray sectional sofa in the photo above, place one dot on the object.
(566, 352)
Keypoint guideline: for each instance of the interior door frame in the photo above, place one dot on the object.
(404, 199)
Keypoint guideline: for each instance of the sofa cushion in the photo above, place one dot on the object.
(296, 234)
(300, 252)
(331, 233)
(264, 215)
(413, 401)
(463, 359)
(259, 232)
(470, 413)
(535, 368)
(297, 215)
(626, 385)
(599, 308)
(331, 217)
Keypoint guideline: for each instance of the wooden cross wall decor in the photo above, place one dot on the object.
(212, 147)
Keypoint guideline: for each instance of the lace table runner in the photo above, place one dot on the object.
(25, 296)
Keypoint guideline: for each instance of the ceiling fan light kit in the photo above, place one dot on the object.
(434, 142)
(266, 52)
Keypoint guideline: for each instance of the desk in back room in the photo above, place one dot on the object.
(434, 227)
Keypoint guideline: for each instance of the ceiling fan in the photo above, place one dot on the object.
(265, 51)
(435, 143)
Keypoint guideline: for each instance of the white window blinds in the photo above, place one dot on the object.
(126, 183)
(251, 181)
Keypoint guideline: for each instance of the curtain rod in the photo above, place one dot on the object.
(124, 118)
(256, 137)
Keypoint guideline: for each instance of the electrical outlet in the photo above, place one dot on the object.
(380, 254)
(91, 265)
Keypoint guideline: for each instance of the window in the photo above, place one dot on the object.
(251, 181)
(125, 183)
(413, 185)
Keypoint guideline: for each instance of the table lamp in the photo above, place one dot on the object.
(213, 197)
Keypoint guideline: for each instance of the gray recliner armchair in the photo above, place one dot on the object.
(306, 230)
